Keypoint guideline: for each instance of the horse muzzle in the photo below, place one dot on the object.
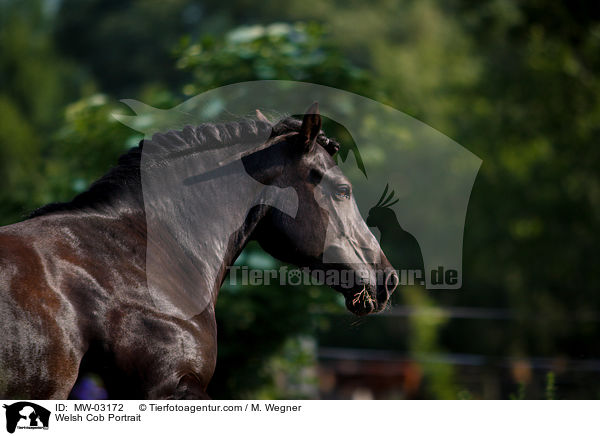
(367, 298)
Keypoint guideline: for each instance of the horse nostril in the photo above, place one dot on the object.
(391, 282)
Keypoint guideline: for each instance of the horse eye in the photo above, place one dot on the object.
(343, 192)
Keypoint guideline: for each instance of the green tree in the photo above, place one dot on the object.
(34, 81)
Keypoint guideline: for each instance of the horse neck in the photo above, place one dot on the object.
(197, 230)
(237, 242)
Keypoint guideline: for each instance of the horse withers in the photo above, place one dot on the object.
(74, 281)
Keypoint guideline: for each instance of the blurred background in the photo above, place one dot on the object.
(515, 82)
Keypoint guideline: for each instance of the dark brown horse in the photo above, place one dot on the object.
(73, 282)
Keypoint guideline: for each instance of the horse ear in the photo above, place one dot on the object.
(311, 126)
(261, 117)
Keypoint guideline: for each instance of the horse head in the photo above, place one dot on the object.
(327, 234)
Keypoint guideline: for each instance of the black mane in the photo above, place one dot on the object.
(126, 174)
(107, 191)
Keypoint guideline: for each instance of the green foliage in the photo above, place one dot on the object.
(19, 161)
(550, 386)
(87, 146)
(521, 392)
(464, 395)
(423, 343)
(34, 82)
(126, 44)
(279, 51)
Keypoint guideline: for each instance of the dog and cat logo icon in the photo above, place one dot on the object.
(26, 415)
